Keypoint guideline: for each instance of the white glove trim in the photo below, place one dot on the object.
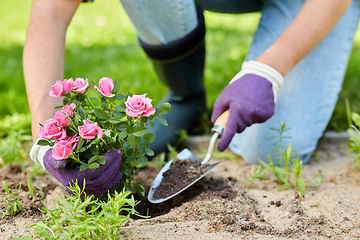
(263, 70)
(37, 153)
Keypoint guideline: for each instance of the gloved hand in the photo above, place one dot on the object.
(249, 97)
(98, 180)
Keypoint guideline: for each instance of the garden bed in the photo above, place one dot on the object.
(217, 207)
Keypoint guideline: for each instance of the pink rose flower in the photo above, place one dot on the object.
(138, 105)
(52, 129)
(106, 85)
(72, 140)
(61, 150)
(67, 83)
(61, 118)
(90, 130)
(57, 89)
(67, 109)
(80, 85)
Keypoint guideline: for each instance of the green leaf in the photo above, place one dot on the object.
(93, 165)
(122, 135)
(101, 160)
(83, 167)
(139, 131)
(101, 113)
(81, 150)
(164, 108)
(43, 142)
(103, 101)
(348, 111)
(284, 186)
(131, 141)
(107, 133)
(120, 108)
(264, 164)
(114, 120)
(120, 97)
(5, 187)
(119, 114)
(93, 159)
(129, 151)
(162, 121)
(152, 124)
(122, 126)
(30, 184)
(140, 188)
(80, 144)
(149, 152)
(21, 238)
(356, 118)
(116, 86)
(82, 112)
(280, 170)
(150, 136)
(143, 160)
(130, 129)
(301, 185)
(130, 159)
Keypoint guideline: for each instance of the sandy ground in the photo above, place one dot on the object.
(220, 208)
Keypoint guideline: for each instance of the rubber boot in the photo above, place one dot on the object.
(180, 66)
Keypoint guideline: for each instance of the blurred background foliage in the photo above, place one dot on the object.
(101, 41)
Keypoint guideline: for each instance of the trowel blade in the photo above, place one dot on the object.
(183, 155)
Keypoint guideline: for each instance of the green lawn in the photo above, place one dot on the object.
(101, 41)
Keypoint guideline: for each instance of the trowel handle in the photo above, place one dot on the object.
(216, 131)
(220, 123)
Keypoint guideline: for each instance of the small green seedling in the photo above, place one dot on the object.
(80, 216)
(30, 184)
(22, 238)
(12, 204)
(354, 134)
(287, 165)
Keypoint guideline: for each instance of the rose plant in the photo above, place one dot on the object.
(85, 128)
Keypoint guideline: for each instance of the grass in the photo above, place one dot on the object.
(101, 41)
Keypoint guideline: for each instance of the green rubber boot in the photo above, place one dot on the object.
(180, 66)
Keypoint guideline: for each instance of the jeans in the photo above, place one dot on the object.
(306, 100)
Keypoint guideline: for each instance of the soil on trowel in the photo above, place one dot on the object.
(180, 174)
(205, 188)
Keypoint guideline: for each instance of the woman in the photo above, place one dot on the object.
(293, 71)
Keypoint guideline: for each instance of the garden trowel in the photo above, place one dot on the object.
(187, 154)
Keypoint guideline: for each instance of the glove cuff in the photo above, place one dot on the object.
(37, 153)
(263, 70)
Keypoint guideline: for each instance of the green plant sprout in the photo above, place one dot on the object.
(354, 134)
(80, 216)
(12, 204)
(279, 145)
(286, 165)
(30, 184)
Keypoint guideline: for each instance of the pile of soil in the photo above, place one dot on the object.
(218, 207)
(180, 174)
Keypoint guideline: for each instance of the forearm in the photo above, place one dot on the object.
(44, 55)
(314, 21)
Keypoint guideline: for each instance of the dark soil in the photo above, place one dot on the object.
(180, 175)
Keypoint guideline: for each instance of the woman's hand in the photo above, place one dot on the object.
(97, 181)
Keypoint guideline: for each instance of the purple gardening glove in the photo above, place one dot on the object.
(98, 180)
(249, 97)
